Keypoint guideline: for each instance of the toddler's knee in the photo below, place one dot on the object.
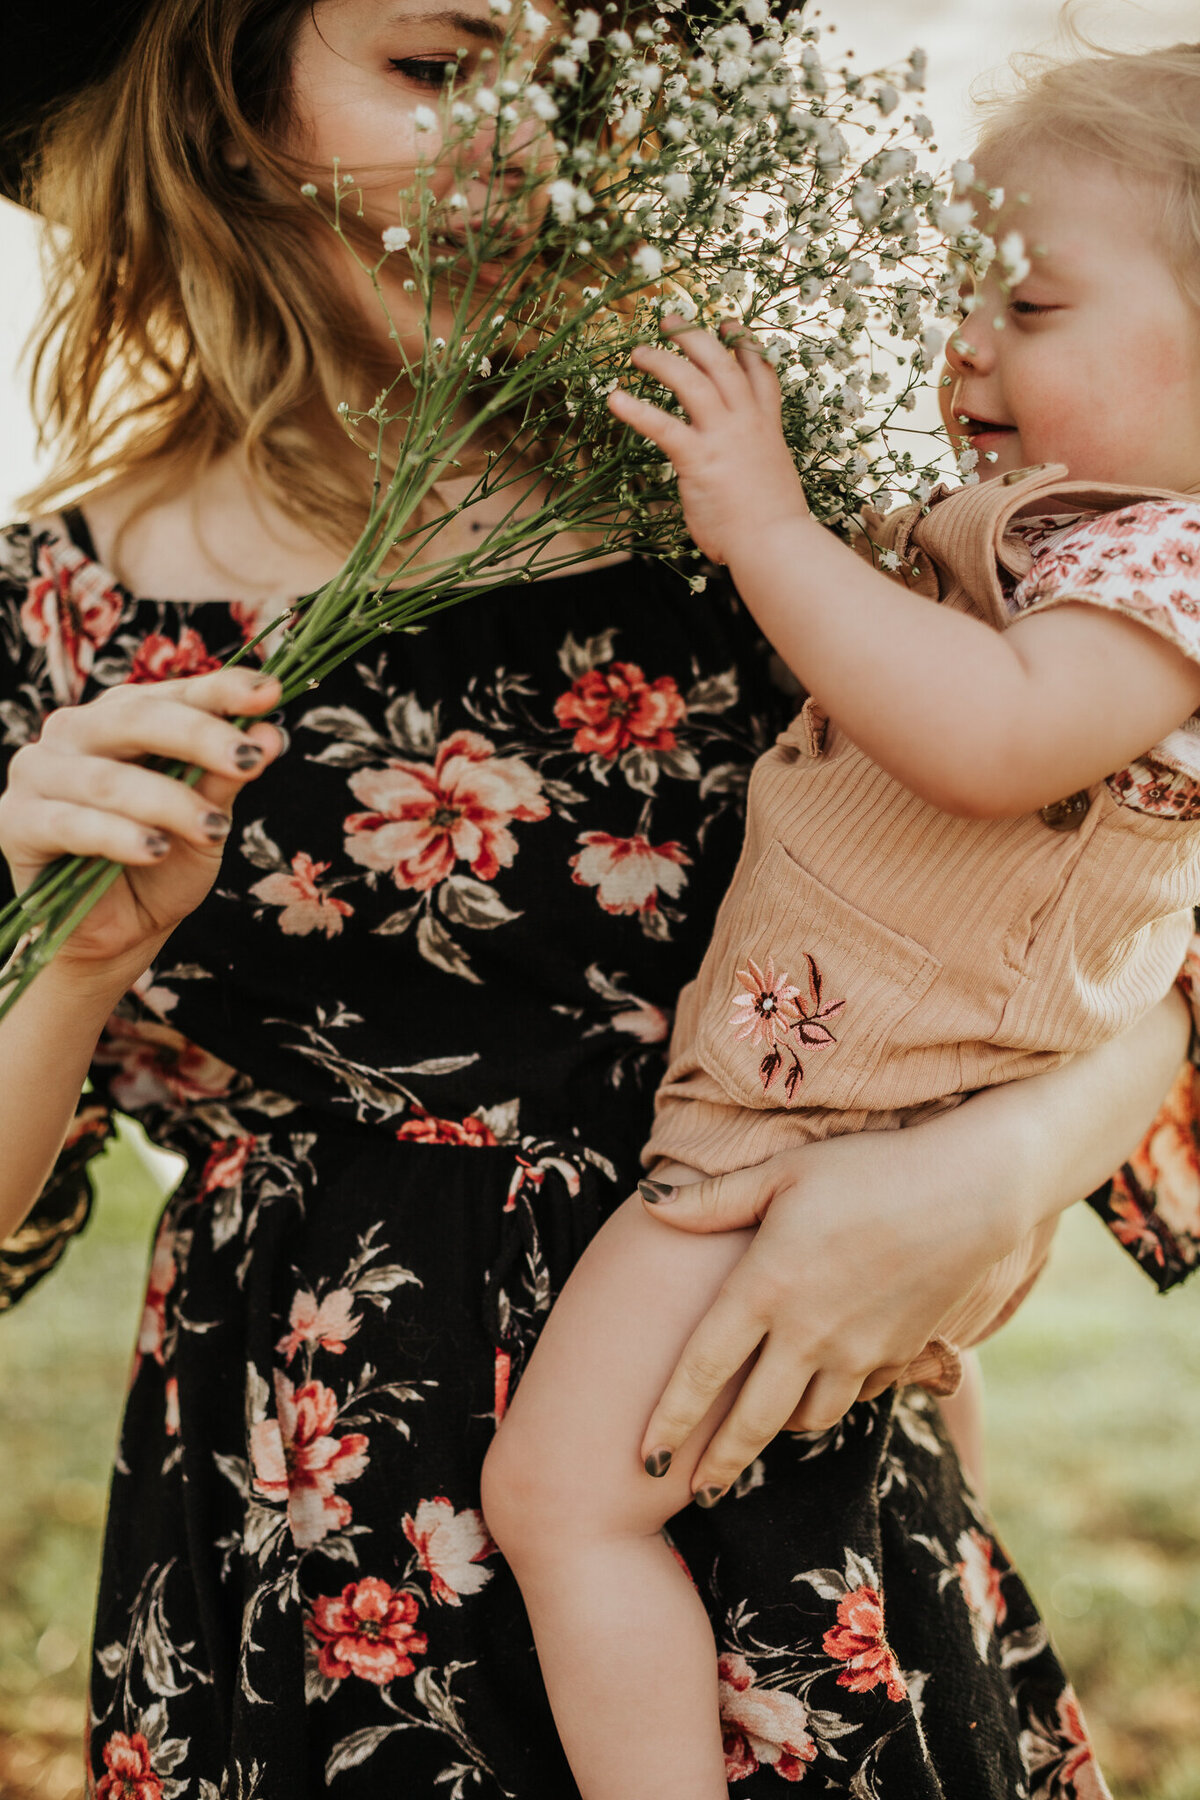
(521, 1504)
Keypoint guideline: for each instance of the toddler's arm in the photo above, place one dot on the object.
(980, 722)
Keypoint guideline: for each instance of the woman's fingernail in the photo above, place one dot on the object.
(708, 1496)
(656, 1192)
(217, 826)
(248, 756)
(157, 843)
(658, 1462)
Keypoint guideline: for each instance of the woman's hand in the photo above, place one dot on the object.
(83, 790)
(736, 475)
(866, 1243)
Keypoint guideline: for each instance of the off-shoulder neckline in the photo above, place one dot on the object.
(70, 527)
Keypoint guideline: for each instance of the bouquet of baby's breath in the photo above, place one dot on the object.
(636, 169)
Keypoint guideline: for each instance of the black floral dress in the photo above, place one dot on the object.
(407, 1048)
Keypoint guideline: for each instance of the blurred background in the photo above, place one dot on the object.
(1093, 1391)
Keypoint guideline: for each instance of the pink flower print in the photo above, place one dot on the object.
(767, 1010)
(250, 616)
(980, 1581)
(772, 1012)
(157, 1064)
(449, 1547)
(627, 873)
(1167, 1162)
(305, 907)
(616, 706)
(296, 1458)
(426, 817)
(71, 609)
(648, 1024)
(424, 1128)
(163, 1274)
(226, 1165)
(760, 1725)
(858, 1641)
(129, 1773)
(328, 1325)
(158, 658)
(367, 1630)
(1078, 1775)
(171, 1421)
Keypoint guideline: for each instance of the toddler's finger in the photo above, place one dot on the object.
(691, 387)
(711, 355)
(670, 434)
(752, 359)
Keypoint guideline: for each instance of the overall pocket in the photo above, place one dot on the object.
(804, 1004)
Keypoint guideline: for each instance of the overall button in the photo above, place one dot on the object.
(1068, 814)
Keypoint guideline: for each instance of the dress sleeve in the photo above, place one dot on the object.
(1152, 1205)
(26, 695)
(1142, 561)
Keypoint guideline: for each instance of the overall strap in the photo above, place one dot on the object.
(966, 532)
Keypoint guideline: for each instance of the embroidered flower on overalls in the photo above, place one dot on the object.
(774, 1012)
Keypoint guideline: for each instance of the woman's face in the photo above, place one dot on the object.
(366, 74)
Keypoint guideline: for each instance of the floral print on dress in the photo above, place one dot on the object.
(1142, 561)
(391, 1166)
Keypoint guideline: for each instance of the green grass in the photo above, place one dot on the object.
(1094, 1434)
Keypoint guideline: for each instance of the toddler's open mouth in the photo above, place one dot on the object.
(975, 429)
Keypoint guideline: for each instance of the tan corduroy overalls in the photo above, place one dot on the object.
(876, 959)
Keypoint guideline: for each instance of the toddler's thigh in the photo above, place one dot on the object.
(604, 1357)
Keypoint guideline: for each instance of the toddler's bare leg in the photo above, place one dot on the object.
(625, 1645)
(963, 1416)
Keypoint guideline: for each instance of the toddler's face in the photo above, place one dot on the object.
(1093, 360)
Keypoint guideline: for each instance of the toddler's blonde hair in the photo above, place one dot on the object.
(1139, 112)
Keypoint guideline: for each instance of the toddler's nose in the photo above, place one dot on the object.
(972, 346)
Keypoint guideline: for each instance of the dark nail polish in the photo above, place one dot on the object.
(217, 826)
(656, 1192)
(658, 1462)
(248, 756)
(157, 843)
(708, 1496)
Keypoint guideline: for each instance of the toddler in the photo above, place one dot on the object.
(973, 854)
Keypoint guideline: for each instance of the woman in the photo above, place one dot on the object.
(407, 1036)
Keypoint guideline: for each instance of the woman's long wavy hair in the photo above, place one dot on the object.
(1136, 111)
(187, 312)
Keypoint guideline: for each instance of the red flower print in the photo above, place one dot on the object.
(226, 1165)
(773, 1011)
(158, 659)
(72, 611)
(424, 1128)
(89, 1122)
(857, 1640)
(627, 873)
(426, 817)
(250, 616)
(129, 1773)
(980, 1581)
(616, 706)
(1079, 1777)
(760, 1725)
(366, 1630)
(449, 1548)
(163, 1273)
(305, 907)
(171, 1423)
(328, 1325)
(296, 1458)
(1167, 1162)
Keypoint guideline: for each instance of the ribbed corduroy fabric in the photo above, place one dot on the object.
(966, 952)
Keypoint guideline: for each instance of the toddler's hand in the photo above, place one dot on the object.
(736, 475)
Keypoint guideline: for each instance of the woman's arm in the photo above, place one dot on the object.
(865, 1243)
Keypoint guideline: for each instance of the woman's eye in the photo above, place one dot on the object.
(427, 71)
